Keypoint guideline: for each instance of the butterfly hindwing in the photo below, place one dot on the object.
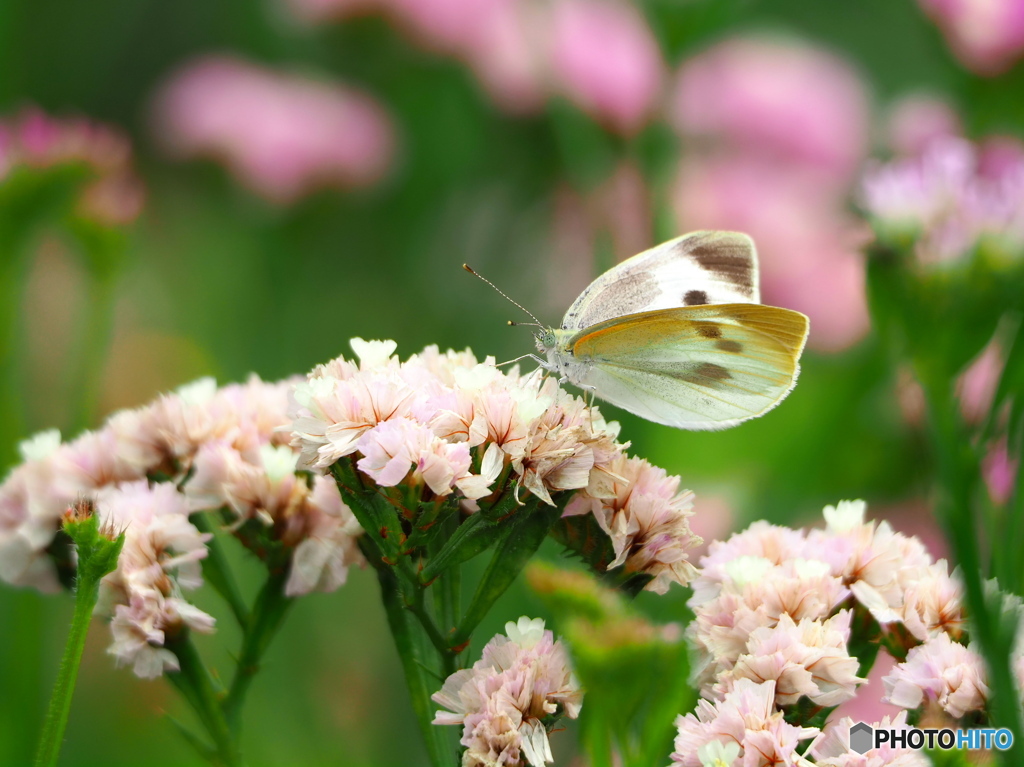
(706, 267)
(702, 367)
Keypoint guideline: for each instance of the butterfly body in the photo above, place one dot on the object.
(677, 336)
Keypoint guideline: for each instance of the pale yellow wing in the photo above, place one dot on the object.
(702, 367)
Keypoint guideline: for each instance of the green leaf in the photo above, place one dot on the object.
(520, 538)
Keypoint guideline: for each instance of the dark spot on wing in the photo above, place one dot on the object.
(695, 297)
(729, 346)
(705, 374)
(725, 259)
(708, 330)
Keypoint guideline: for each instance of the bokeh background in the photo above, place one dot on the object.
(305, 171)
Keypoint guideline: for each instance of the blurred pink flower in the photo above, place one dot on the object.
(282, 134)
(808, 246)
(986, 35)
(949, 197)
(999, 470)
(605, 58)
(915, 121)
(976, 386)
(112, 196)
(785, 100)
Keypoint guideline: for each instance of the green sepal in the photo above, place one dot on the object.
(97, 549)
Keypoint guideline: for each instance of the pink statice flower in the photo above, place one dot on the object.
(832, 747)
(283, 135)
(264, 487)
(522, 680)
(986, 35)
(747, 717)
(808, 658)
(451, 426)
(942, 671)
(200, 448)
(604, 57)
(160, 558)
(755, 594)
(112, 196)
(31, 505)
(646, 517)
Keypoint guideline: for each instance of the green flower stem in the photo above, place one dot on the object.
(216, 570)
(60, 703)
(196, 685)
(417, 677)
(958, 475)
(597, 740)
(97, 556)
(99, 323)
(11, 409)
(267, 615)
(444, 652)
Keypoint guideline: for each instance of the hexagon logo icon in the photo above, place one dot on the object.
(862, 737)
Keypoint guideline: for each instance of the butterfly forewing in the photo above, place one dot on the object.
(697, 268)
(705, 367)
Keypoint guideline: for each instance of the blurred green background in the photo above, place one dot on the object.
(219, 281)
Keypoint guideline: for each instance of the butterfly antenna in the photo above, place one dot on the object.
(469, 269)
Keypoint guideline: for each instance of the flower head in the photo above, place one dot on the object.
(940, 670)
(746, 716)
(505, 700)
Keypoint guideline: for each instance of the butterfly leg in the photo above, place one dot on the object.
(543, 363)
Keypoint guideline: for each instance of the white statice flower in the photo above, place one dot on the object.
(715, 753)
(522, 679)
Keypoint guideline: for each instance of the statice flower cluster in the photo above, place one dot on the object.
(32, 139)
(446, 425)
(146, 472)
(948, 198)
(776, 613)
(510, 698)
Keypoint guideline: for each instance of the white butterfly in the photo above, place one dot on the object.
(677, 335)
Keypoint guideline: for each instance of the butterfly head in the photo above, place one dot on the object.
(546, 340)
